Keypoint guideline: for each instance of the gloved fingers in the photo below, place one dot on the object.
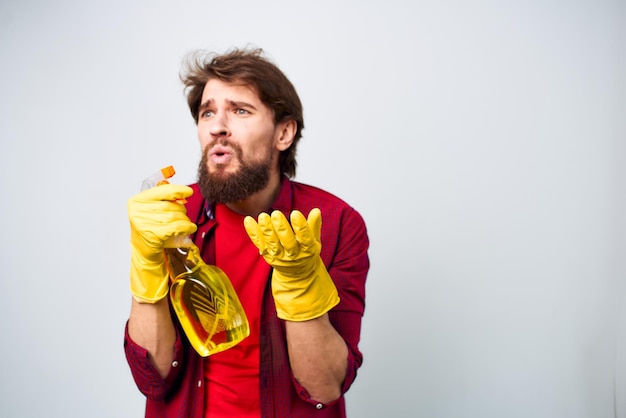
(156, 209)
(315, 223)
(302, 230)
(155, 217)
(158, 204)
(253, 231)
(182, 227)
(171, 192)
(147, 215)
(271, 241)
(154, 235)
(285, 234)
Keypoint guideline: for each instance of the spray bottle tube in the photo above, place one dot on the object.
(203, 297)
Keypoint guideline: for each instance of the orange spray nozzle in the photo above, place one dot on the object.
(166, 172)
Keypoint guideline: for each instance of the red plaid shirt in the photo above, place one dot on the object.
(344, 252)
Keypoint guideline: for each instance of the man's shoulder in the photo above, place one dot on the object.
(305, 197)
(305, 188)
(340, 219)
(306, 192)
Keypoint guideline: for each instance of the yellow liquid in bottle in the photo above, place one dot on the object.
(205, 302)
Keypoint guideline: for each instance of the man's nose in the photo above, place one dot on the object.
(219, 125)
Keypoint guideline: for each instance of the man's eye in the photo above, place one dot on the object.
(207, 114)
(241, 111)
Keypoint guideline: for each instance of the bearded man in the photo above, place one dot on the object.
(304, 297)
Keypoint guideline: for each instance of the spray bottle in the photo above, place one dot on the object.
(203, 297)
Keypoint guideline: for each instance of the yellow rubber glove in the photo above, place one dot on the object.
(301, 285)
(154, 217)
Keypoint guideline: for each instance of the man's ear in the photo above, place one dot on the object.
(285, 132)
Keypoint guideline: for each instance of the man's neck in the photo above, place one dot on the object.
(260, 201)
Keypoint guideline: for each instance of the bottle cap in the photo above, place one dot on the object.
(168, 172)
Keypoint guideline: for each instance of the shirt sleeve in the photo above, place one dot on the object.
(146, 376)
(349, 270)
(355, 358)
(348, 266)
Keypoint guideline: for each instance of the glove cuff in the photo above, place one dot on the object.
(149, 283)
(312, 300)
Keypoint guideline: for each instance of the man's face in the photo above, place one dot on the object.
(238, 138)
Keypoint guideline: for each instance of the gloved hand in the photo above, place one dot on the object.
(154, 217)
(301, 285)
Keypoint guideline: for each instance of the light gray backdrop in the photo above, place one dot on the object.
(482, 141)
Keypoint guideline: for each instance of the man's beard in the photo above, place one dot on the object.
(222, 187)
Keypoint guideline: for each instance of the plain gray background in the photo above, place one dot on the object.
(482, 141)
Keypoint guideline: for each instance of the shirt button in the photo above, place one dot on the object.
(174, 363)
(319, 406)
(199, 383)
(203, 234)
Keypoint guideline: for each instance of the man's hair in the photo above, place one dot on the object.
(251, 68)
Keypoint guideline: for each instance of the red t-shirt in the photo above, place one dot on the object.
(234, 372)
